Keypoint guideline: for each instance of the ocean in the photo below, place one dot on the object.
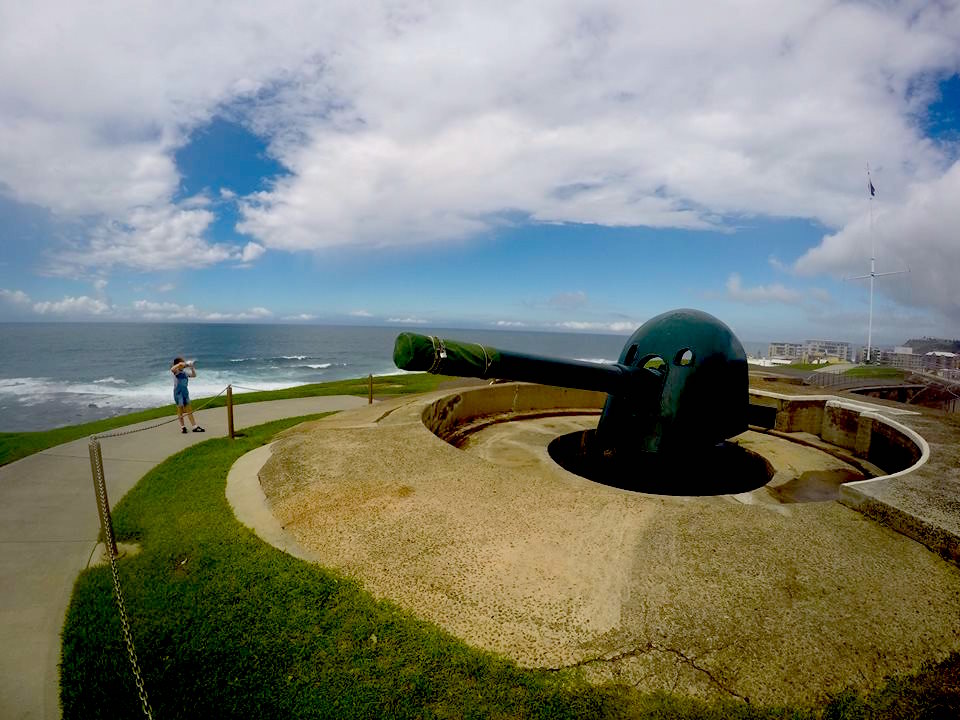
(55, 374)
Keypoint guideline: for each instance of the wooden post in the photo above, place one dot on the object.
(230, 411)
(370, 394)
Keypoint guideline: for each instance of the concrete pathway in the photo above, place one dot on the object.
(48, 531)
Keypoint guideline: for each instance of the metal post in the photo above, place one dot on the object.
(100, 492)
(230, 411)
(370, 393)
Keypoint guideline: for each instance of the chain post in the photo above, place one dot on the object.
(106, 524)
(100, 491)
(370, 392)
(230, 411)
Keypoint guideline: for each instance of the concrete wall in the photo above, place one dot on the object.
(448, 414)
(881, 441)
(839, 426)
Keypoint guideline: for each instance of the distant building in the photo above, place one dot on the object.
(824, 349)
(810, 351)
(785, 350)
(941, 360)
(904, 358)
(880, 355)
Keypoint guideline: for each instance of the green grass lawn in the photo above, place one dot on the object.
(14, 446)
(228, 626)
(875, 371)
(807, 366)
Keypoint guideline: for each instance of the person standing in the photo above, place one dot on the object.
(181, 396)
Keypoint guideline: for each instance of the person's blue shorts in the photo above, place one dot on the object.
(180, 395)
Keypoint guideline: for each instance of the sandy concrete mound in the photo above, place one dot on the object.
(759, 597)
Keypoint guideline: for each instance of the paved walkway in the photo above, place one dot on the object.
(48, 531)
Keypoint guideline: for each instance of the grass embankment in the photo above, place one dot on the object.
(876, 371)
(227, 626)
(14, 446)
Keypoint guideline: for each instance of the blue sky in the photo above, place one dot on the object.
(532, 166)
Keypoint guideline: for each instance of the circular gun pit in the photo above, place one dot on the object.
(771, 593)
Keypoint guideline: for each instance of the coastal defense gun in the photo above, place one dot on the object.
(679, 386)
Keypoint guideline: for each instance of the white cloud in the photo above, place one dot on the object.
(820, 295)
(921, 232)
(430, 122)
(619, 327)
(149, 310)
(509, 323)
(612, 120)
(257, 313)
(760, 294)
(777, 264)
(168, 237)
(73, 306)
(162, 238)
(94, 106)
(301, 317)
(84, 306)
(407, 321)
(251, 252)
(166, 287)
(18, 297)
(360, 313)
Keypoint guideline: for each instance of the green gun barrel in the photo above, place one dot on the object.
(450, 357)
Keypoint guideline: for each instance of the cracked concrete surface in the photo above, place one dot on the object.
(747, 597)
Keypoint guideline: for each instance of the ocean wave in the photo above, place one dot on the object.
(33, 391)
(127, 393)
(249, 359)
(291, 357)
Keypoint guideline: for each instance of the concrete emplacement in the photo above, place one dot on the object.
(450, 505)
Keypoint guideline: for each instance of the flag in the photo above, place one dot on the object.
(873, 190)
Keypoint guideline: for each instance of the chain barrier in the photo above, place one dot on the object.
(121, 433)
(241, 387)
(110, 543)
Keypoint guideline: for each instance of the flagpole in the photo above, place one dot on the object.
(871, 192)
(873, 266)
